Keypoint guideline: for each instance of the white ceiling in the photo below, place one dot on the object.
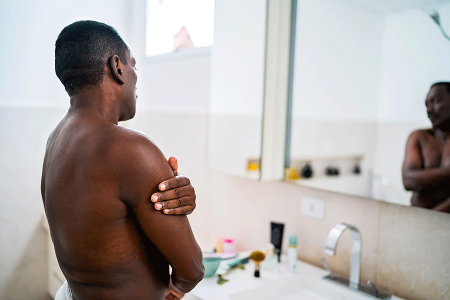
(388, 6)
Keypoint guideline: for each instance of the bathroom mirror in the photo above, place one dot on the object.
(362, 70)
(237, 87)
(250, 61)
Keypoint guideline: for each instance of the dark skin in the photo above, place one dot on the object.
(97, 181)
(426, 168)
(177, 195)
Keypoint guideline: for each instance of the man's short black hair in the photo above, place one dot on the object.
(81, 52)
(446, 83)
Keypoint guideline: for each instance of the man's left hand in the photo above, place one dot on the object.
(177, 195)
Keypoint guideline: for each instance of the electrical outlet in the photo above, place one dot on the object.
(313, 207)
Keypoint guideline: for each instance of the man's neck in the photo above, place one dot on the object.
(442, 132)
(98, 103)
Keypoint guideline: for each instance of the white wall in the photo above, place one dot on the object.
(24, 134)
(28, 33)
(238, 57)
(337, 61)
(32, 101)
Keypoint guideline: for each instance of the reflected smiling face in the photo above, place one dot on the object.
(438, 105)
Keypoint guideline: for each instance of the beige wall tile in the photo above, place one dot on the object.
(360, 212)
(413, 256)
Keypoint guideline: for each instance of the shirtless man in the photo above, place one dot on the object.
(98, 179)
(426, 168)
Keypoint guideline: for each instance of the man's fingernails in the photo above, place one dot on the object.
(162, 186)
(166, 211)
(154, 198)
(158, 206)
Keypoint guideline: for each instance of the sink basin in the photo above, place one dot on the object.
(306, 283)
(300, 287)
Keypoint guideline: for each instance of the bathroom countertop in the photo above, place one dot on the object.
(243, 280)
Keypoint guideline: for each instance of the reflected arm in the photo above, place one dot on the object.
(444, 206)
(415, 177)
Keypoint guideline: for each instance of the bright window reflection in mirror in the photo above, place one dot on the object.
(175, 24)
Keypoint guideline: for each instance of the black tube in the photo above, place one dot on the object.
(276, 237)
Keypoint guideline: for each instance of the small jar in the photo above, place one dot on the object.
(227, 245)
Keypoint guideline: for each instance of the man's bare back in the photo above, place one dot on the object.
(426, 168)
(110, 241)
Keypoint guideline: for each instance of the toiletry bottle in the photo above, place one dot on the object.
(227, 245)
(276, 237)
(270, 262)
(292, 254)
(219, 245)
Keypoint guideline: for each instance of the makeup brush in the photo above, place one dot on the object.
(257, 257)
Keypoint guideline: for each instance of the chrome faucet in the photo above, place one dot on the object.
(355, 261)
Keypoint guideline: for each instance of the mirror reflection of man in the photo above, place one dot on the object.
(100, 180)
(426, 168)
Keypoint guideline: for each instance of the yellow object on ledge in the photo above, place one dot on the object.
(291, 174)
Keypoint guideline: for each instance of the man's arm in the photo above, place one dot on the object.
(415, 177)
(145, 166)
(443, 206)
(176, 195)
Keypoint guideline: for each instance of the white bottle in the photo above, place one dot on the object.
(292, 254)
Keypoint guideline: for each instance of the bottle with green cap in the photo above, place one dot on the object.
(292, 254)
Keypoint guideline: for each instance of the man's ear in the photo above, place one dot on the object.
(116, 69)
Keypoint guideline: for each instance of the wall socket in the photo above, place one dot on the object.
(313, 207)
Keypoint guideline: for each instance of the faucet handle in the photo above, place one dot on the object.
(374, 289)
(325, 264)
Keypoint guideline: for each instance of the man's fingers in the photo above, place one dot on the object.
(173, 164)
(185, 210)
(177, 196)
(175, 193)
(179, 202)
(173, 183)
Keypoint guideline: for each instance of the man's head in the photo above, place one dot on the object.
(82, 51)
(438, 104)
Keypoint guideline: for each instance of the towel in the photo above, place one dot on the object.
(64, 292)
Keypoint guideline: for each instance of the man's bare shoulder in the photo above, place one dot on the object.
(421, 133)
(128, 141)
(139, 162)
